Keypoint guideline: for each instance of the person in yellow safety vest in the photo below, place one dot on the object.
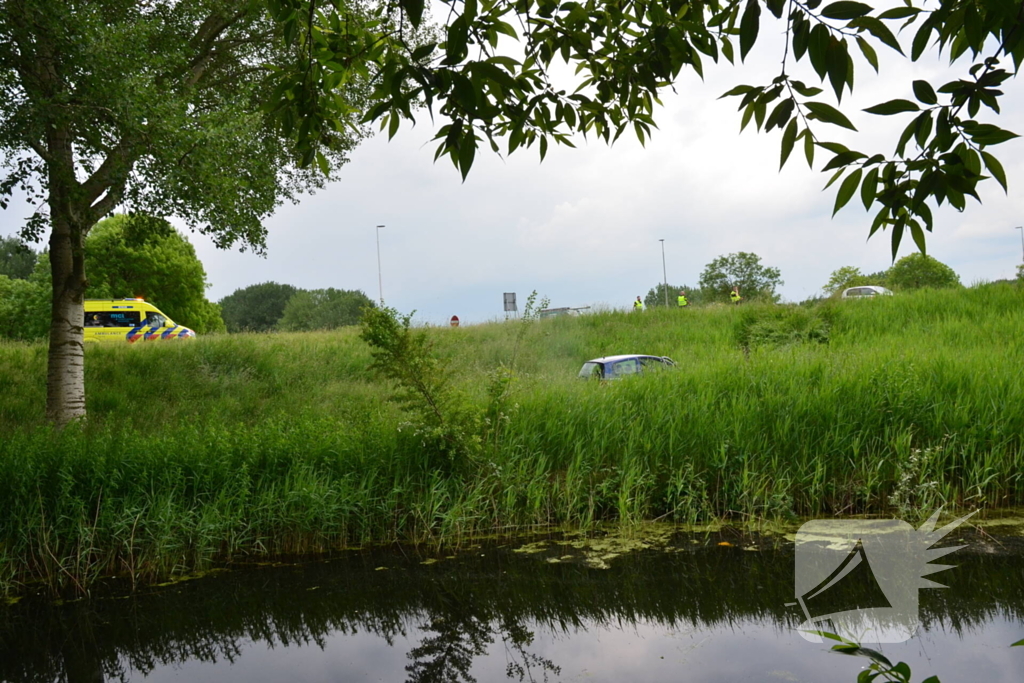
(681, 300)
(734, 296)
(638, 305)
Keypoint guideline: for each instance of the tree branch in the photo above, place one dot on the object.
(103, 179)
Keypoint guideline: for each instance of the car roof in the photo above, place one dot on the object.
(624, 356)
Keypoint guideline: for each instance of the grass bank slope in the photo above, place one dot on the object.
(275, 444)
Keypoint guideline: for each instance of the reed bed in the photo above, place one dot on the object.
(269, 445)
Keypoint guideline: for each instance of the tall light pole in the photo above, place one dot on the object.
(664, 273)
(1021, 228)
(380, 282)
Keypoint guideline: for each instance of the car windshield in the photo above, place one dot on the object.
(651, 363)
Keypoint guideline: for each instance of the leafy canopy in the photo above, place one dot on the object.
(158, 106)
(17, 259)
(656, 295)
(849, 276)
(324, 309)
(256, 308)
(489, 80)
(743, 270)
(24, 307)
(910, 272)
(918, 270)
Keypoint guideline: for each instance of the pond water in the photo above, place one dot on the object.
(676, 607)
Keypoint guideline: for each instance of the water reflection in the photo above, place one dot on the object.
(698, 612)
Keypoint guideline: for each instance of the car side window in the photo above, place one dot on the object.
(625, 367)
(111, 318)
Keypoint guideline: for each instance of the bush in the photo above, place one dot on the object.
(783, 325)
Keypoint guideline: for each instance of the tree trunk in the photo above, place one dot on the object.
(65, 378)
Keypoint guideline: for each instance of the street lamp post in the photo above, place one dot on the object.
(380, 281)
(1021, 228)
(664, 273)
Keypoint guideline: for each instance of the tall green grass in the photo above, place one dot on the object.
(282, 444)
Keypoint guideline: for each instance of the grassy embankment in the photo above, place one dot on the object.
(286, 443)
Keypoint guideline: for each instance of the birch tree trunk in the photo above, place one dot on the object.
(65, 376)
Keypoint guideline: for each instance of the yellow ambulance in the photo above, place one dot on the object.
(129, 320)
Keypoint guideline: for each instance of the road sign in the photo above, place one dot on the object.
(455, 321)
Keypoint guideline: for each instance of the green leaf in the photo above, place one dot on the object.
(456, 47)
(738, 90)
(843, 159)
(918, 234)
(828, 114)
(845, 9)
(897, 235)
(846, 190)
(893, 107)
(921, 39)
(809, 148)
(900, 13)
(992, 137)
(804, 90)
(924, 92)
(776, 7)
(818, 49)
(878, 30)
(837, 62)
(835, 176)
(869, 188)
(780, 115)
(414, 9)
(467, 151)
(788, 140)
(868, 52)
(727, 50)
(322, 163)
(1019, 643)
(801, 36)
(996, 169)
(834, 147)
(923, 128)
(749, 26)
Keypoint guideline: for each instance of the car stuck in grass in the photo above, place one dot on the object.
(624, 365)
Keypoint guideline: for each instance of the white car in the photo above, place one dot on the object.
(865, 291)
(617, 367)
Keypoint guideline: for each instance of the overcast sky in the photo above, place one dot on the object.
(583, 227)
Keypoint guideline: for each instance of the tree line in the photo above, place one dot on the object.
(270, 306)
(743, 270)
(757, 282)
(910, 272)
(140, 256)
